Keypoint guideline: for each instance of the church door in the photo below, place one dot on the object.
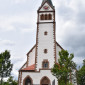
(45, 81)
(28, 81)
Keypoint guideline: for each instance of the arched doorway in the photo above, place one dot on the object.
(28, 81)
(45, 81)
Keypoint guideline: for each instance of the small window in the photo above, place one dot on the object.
(45, 33)
(45, 64)
(45, 50)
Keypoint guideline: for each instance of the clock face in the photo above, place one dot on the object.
(46, 7)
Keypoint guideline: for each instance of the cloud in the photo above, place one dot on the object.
(70, 27)
(18, 62)
(7, 42)
(16, 22)
(18, 1)
(78, 60)
(26, 30)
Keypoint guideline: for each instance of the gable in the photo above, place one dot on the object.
(46, 7)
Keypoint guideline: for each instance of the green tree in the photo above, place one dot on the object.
(63, 69)
(11, 81)
(5, 65)
(81, 74)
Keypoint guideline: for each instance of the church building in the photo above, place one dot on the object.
(44, 54)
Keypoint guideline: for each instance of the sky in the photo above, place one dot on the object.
(18, 20)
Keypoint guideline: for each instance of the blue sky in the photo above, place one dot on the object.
(18, 28)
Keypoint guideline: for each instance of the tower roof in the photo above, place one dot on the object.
(49, 1)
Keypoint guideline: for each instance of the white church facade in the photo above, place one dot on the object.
(44, 54)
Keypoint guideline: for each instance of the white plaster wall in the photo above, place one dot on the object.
(46, 4)
(37, 76)
(46, 20)
(58, 49)
(31, 57)
(45, 42)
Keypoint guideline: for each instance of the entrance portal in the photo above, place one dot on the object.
(45, 81)
(27, 81)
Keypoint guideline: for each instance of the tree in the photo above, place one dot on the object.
(10, 81)
(81, 74)
(63, 69)
(5, 65)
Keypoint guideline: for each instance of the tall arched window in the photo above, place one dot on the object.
(46, 17)
(50, 17)
(45, 64)
(42, 17)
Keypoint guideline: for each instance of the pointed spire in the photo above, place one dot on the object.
(49, 1)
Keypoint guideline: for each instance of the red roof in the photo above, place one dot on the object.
(32, 67)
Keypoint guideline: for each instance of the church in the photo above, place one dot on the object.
(44, 54)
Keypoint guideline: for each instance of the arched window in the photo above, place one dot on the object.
(50, 17)
(41, 17)
(46, 17)
(45, 64)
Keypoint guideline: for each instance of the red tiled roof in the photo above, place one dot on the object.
(32, 67)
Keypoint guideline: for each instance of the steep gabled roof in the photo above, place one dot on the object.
(49, 1)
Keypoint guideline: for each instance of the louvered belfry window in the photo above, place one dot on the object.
(42, 17)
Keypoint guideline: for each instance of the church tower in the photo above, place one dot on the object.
(43, 55)
(46, 35)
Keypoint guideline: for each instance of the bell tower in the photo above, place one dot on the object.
(46, 36)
